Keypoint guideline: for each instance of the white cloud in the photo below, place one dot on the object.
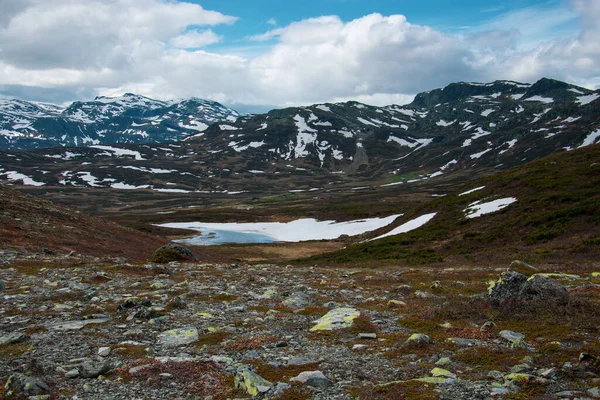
(272, 21)
(151, 47)
(195, 39)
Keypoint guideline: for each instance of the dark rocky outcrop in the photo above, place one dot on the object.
(513, 285)
(172, 252)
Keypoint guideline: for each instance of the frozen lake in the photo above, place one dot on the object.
(267, 232)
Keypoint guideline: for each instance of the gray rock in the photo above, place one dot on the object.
(2, 285)
(11, 338)
(19, 385)
(520, 368)
(312, 378)
(466, 342)
(513, 285)
(418, 339)
(542, 288)
(178, 337)
(75, 325)
(367, 336)
(522, 264)
(91, 369)
(73, 373)
(507, 287)
(511, 336)
(488, 325)
(547, 373)
(104, 351)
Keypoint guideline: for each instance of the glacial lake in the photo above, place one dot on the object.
(215, 237)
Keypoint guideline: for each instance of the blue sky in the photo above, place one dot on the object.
(443, 15)
(259, 54)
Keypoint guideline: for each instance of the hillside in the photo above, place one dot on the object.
(38, 226)
(551, 216)
(106, 120)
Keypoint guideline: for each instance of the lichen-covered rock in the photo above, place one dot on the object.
(312, 378)
(513, 285)
(442, 373)
(507, 287)
(19, 385)
(417, 340)
(178, 337)
(336, 319)
(250, 382)
(172, 252)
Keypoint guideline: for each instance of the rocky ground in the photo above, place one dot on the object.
(79, 327)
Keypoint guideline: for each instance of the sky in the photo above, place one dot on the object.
(254, 55)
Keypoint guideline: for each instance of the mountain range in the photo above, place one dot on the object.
(126, 119)
(464, 128)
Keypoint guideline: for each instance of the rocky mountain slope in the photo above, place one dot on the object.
(127, 119)
(463, 130)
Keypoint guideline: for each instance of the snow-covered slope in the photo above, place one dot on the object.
(105, 120)
(464, 128)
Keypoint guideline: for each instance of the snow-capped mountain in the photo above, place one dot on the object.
(106, 120)
(464, 128)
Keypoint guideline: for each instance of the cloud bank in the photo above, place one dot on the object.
(162, 49)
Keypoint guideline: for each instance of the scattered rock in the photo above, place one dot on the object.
(312, 378)
(367, 336)
(76, 325)
(523, 265)
(511, 336)
(15, 337)
(250, 382)
(172, 252)
(417, 340)
(104, 351)
(19, 385)
(178, 337)
(444, 373)
(487, 326)
(338, 318)
(91, 369)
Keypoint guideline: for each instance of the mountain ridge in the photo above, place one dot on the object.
(480, 127)
(129, 118)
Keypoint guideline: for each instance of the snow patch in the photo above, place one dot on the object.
(478, 209)
(541, 99)
(587, 99)
(591, 139)
(409, 226)
(471, 191)
(120, 152)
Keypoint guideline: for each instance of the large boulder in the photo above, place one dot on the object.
(507, 287)
(512, 285)
(540, 287)
(172, 252)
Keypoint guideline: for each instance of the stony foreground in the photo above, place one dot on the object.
(86, 328)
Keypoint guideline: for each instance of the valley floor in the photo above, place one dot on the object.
(81, 327)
